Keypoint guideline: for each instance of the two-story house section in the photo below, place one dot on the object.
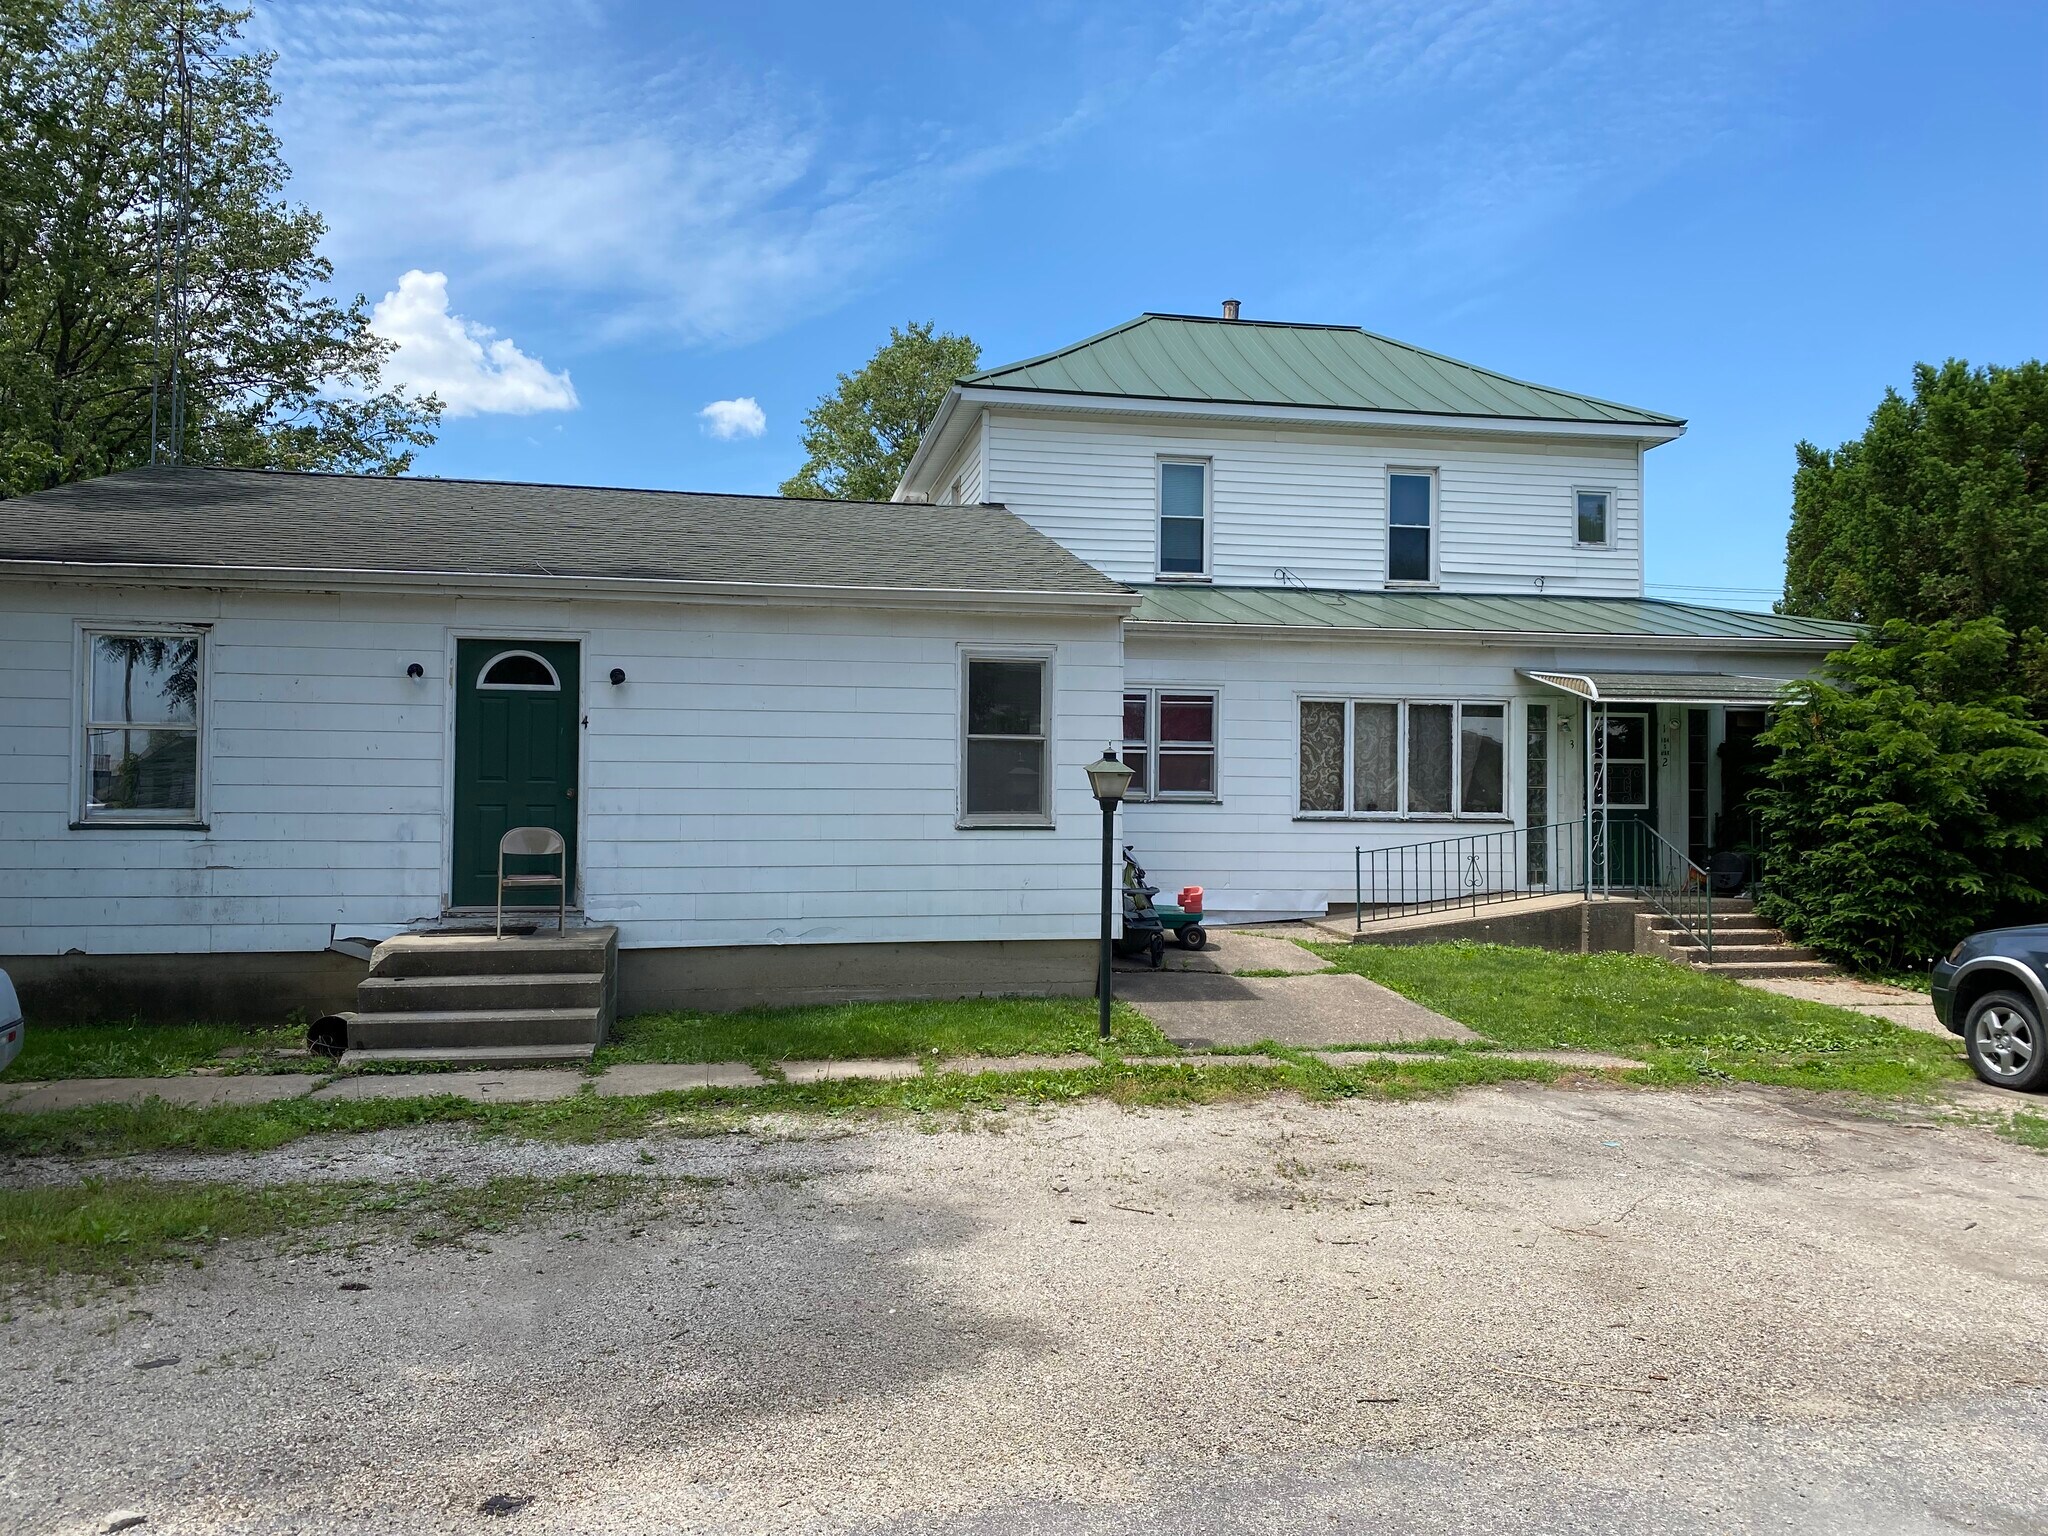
(1391, 602)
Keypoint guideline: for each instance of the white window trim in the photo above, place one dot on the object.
(1504, 816)
(1436, 526)
(1208, 468)
(1152, 691)
(484, 671)
(986, 821)
(1612, 501)
(83, 725)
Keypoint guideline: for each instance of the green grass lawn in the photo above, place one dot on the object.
(1683, 1025)
(135, 1049)
(984, 1026)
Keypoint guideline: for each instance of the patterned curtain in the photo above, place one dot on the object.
(1322, 755)
(1376, 757)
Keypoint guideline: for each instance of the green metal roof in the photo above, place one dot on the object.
(1661, 687)
(1257, 362)
(1452, 613)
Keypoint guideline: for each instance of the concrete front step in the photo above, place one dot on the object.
(469, 1028)
(1751, 938)
(1754, 970)
(1741, 947)
(579, 951)
(469, 994)
(477, 1056)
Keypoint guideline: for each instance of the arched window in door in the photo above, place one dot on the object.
(519, 672)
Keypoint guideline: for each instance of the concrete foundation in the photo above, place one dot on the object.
(1563, 923)
(267, 989)
(725, 978)
(253, 989)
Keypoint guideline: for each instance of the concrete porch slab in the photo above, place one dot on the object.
(527, 1087)
(187, 1092)
(636, 1078)
(1235, 950)
(1332, 1008)
(842, 1071)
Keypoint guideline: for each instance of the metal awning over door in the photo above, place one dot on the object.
(1662, 687)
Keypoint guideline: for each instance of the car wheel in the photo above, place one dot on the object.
(2003, 1033)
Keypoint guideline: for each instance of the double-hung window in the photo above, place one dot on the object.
(1402, 757)
(1411, 525)
(140, 754)
(1005, 740)
(1170, 743)
(1183, 517)
(1593, 519)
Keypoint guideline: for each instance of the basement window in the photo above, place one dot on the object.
(140, 760)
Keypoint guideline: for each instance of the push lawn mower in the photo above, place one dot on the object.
(1147, 922)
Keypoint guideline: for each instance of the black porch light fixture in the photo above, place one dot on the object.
(1108, 780)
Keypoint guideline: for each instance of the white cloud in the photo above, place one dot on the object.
(542, 151)
(727, 419)
(474, 370)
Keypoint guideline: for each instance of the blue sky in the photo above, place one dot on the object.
(616, 215)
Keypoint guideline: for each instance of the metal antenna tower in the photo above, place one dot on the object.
(173, 176)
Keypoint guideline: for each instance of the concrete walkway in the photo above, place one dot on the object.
(1327, 1009)
(544, 1084)
(1895, 1005)
(1232, 952)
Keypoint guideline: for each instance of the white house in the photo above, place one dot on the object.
(1382, 594)
(1326, 591)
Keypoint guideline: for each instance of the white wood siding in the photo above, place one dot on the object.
(966, 469)
(1315, 502)
(765, 775)
(1252, 837)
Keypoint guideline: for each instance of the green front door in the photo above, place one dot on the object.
(515, 760)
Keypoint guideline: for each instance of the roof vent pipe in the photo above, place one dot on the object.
(1230, 309)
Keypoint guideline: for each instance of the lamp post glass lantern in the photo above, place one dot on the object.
(1108, 779)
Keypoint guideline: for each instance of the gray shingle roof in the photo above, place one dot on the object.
(262, 520)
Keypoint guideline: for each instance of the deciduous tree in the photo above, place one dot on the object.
(276, 371)
(859, 439)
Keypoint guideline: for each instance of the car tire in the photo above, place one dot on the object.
(2003, 1035)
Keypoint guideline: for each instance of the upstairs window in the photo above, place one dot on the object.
(1594, 519)
(1411, 525)
(1004, 746)
(1384, 757)
(141, 748)
(1170, 743)
(1183, 517)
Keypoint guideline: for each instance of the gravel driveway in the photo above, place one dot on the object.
(1530, 1308)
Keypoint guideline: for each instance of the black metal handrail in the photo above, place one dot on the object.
(1641, 859)
(1471, 871)
(1478, 869)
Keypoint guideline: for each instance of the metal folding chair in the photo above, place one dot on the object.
(534, 843)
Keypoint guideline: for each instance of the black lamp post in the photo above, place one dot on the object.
(1108, 778)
